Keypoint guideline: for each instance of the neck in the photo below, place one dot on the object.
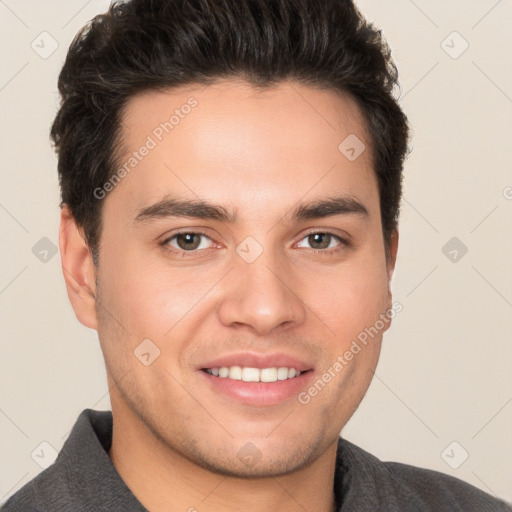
(163, 480)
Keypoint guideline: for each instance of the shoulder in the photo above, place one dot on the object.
(81, 461)
(443, 490)
(397, 486)
(42, 491)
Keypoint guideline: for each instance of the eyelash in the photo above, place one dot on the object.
(195, 252)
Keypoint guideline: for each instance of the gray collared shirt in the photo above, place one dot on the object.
(83, 478)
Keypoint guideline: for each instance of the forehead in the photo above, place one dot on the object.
(232, 143)
(231, 105)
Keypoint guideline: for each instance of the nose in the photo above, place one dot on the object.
(262, 296)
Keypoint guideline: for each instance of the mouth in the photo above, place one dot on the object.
(249, 374)
(256, 379)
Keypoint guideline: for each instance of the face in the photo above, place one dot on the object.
(283, 266)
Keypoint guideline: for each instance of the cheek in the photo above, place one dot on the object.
(351, 298)
(152, 300)
(131, 284)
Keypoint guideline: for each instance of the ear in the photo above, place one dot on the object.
(78, 269)
(393, 249)
(391, 261)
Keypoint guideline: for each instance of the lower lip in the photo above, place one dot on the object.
(259, 393)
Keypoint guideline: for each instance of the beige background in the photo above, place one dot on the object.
(445, 372)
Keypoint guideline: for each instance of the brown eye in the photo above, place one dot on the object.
(188, 241)
(323, 241)
(319, 240)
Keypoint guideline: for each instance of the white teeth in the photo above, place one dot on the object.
(268, 375)
(235, 373)
(282, 373)
(251, 375)
(254, 374)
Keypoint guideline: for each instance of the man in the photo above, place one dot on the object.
(231, 176)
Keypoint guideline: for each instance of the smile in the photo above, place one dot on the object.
(248, 374)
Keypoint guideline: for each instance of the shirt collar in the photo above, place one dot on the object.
(361, 481)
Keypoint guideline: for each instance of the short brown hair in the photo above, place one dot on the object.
(159, 44)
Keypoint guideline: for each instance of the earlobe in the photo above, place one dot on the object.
(78, 269)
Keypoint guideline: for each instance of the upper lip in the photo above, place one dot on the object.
(255, 360)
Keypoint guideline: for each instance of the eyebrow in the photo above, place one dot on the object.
(199, 209)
